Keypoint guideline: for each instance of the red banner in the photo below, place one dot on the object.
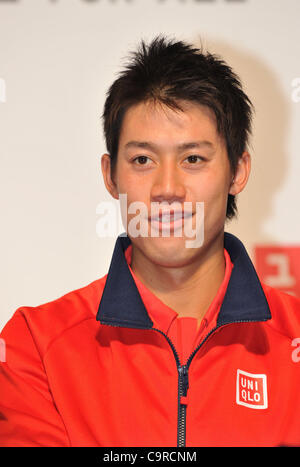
(279, 267)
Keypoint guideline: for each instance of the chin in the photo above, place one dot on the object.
(168, 252)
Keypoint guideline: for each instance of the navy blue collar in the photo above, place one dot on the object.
(122, 305)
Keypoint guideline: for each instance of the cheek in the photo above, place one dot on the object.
(214, 193)
(136, 190)
(129, 183)
(137, 195)
(124, 181)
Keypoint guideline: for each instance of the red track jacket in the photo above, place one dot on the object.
(91, 368)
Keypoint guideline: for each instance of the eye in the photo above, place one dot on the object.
(194, 158)
(142, 160)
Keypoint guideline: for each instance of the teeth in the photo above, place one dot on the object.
(166, 218)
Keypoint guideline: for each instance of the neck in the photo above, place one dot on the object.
(188, 290)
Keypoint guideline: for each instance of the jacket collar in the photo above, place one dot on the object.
(121, 304)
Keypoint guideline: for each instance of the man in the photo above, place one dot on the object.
(179, 344)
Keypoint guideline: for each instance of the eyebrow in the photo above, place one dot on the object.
(180, 147)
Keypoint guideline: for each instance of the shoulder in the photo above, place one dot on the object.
(281, 299)
(285, 311)
(47, 321)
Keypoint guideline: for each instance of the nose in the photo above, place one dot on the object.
(168, 184)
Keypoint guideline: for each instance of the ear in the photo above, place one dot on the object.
(107, 177)
(242, 173)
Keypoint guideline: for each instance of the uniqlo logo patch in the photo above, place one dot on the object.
(251, 390)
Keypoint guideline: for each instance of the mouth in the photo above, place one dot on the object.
(169, 220)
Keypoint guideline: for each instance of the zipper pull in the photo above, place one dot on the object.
(185, 382)
(183, 371)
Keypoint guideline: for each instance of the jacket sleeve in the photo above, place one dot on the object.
(28, 415)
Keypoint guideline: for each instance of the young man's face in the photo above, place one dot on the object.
(174, 157)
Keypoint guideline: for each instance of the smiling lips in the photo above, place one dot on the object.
(169, 219)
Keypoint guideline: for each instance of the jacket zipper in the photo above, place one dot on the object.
(183, 380)
(183, 385)
(182, 391)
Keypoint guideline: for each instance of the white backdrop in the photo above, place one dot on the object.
(57, 59)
